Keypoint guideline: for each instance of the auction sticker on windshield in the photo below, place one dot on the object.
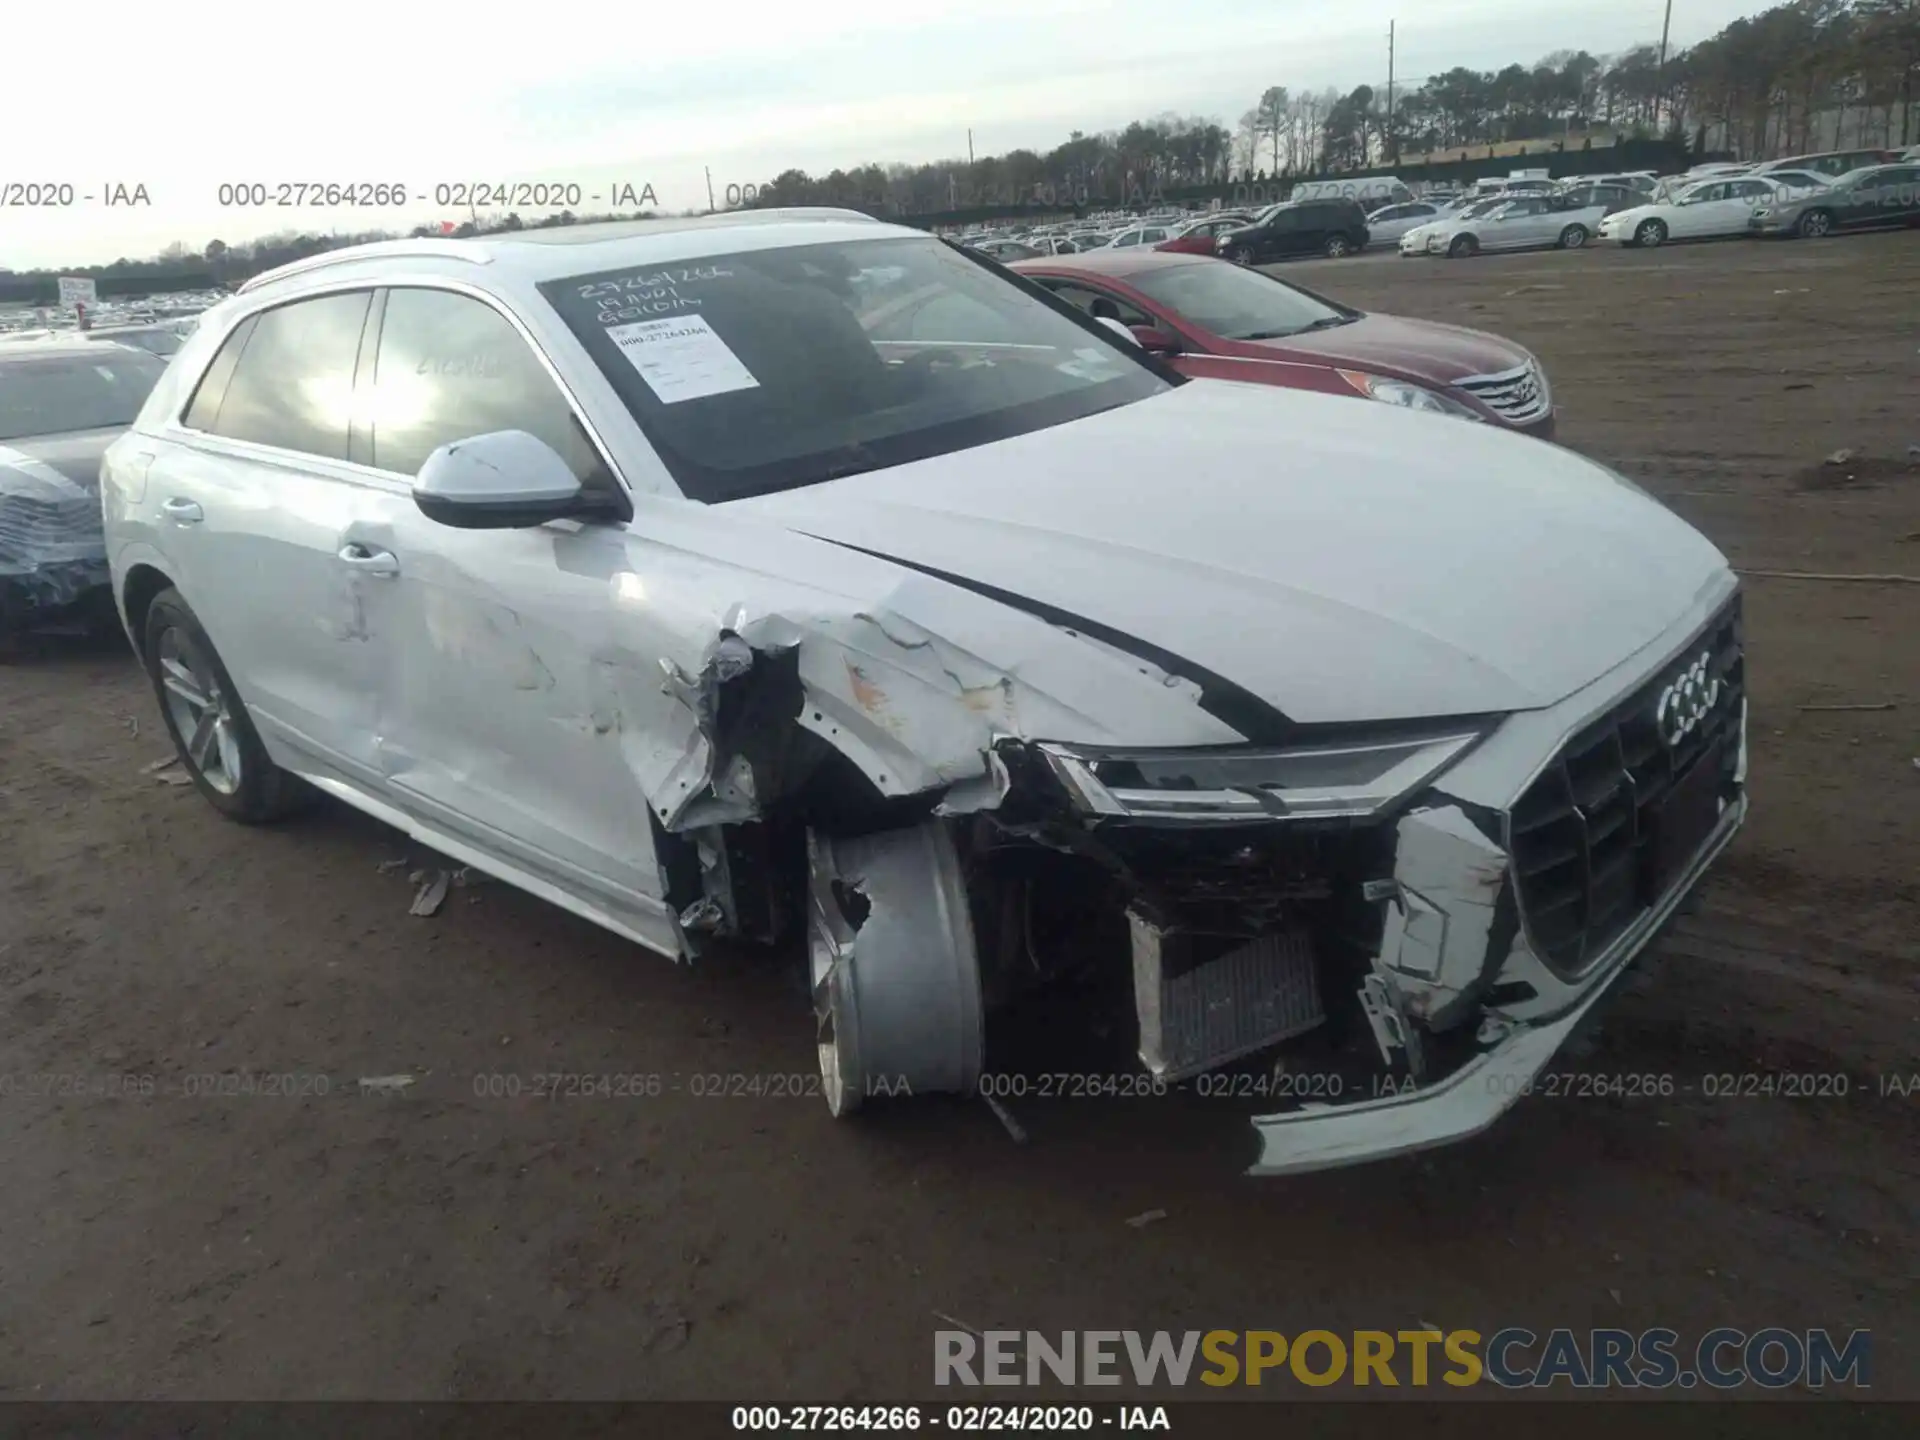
(682, 358)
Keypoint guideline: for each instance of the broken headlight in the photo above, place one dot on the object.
(1347, 778)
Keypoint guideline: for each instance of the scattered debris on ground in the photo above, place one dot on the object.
(431, 891)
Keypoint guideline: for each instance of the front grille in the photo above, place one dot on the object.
(1516, 396)
(1584, 852)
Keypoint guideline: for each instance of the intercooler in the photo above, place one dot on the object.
(1204, 1000)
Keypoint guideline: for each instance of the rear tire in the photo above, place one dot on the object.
(1573, 237)
(209, 724)
(1651, 234)
(1462, 247)
(1815, 225)
(1338, 247)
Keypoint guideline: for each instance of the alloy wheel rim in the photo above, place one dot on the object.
(1816, 224)
(1651, 234)
(833, 1081)
(201, 711)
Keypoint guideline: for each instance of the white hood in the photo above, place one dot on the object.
(1342, 561)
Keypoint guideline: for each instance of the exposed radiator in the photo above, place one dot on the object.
(1199, 1013)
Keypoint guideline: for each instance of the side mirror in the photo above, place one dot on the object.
(506, 480)
(1153, 338)
(1119, 329)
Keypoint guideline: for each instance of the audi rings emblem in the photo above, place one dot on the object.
(1687, 701)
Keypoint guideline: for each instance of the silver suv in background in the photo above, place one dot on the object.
(63, 400)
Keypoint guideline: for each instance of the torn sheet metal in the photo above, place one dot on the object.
(1442, 922)
(913, 708)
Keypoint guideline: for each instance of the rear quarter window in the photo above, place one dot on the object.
(204, 409)
(291, 386)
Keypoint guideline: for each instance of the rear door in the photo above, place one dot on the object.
(255, 502)
(1317, 220)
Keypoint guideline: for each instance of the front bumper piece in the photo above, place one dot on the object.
(1472, 1098)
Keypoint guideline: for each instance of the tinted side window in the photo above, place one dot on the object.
(293, 387)
(204, 410)
(450, 367)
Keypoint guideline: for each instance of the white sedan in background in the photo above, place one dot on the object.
(1707, 210)
(1414, 242)
(1562, 220)
(1386, 225)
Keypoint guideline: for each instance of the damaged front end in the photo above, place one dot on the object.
(1379, 933)
(53, 557)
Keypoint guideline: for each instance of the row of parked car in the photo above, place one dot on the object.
(1806, 196)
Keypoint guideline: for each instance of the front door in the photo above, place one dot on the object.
(1887, 197)
(1707, 210)
(501, 707)
(1526, 222)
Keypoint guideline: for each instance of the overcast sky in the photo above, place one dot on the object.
(179, 99)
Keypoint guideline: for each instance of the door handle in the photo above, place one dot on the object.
(182, 512)
(369, 562)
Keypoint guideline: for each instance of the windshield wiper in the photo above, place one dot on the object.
(854, 459)
(1325, 322)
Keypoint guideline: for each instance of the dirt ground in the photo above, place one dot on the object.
(439, 1242)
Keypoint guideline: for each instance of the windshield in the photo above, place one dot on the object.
(770, 369)
(1236, 303)
(51, 394)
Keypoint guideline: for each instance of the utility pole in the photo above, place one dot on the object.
(1391, 149)
(711, 207)
(969, 147)
(1660, 77)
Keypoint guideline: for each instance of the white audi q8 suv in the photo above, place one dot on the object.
(800, 578)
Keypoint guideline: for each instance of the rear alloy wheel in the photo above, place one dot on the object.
(1338, 246)
(1651, 233)
(211, 731)
(1462, 246)
(1816, 225)
(1573, 237)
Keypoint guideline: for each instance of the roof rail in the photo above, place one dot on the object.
(445, 249)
